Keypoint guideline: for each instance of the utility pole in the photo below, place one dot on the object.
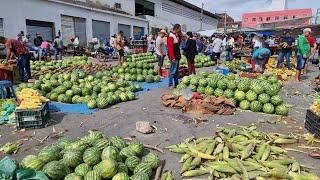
(225, 21)
(317, 15)
(201, 17)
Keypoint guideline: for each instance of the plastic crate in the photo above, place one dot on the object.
(166, 73)
(313, 123)
(33, 119)
(5, 75)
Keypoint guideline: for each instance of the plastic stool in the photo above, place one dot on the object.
(3, 89)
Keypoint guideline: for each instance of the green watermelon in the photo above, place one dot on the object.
(273, 78)
(132, 162)
(222, 84)
(204, 74)
(121, 176)
(244, 105)
(201, 90)
(239, 95)
(264, 98)
(118, 142)
(203, 82)
(268, 108)
(126, 152)
(243, 86)
(140, 176)
(102, 103)
(276, 100)
(110, 152)
(137, 147)
(82, 169)
(235, 102)
(157, 79)
(32, 162)
(102, 143)
(228, 93)
(124, 97)
(218, 92)
(231, 76)
(72, 158)
(92, 175)
(73, 176)
(282, 110)
(256, 106)
(194, 81)
(49, 153)
(63, 143)
(53, 96)
(186, 80)
(272, 90)
(91, 104)
(232, 85)
(131, 95)
(107, 168)
(138, 87)
(92, 156)
(143, 167)
(209, 91)
(257, 88)
(152, 160)
(251, 96)
(54, 170)
(122, 168)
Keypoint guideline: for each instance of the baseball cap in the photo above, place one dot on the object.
(285, 32)
(163, 31)
(307, 30)
(262, 53)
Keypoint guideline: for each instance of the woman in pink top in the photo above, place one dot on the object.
(45, 46)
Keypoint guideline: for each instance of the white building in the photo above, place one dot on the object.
(279, 5)
(98, 18)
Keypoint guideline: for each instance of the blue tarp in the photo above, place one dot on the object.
(267, 33)
(83, 109)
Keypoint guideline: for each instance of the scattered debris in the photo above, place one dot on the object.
(145, 127)
(159, 169)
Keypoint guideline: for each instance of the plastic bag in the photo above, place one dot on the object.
(7, 168)
(31, 175)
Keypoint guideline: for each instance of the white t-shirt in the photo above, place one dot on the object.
(217, 44)
(160, 42)
(257, 43)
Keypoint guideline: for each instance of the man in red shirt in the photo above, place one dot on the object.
(174, 41)
(313, 45)
(18, 49)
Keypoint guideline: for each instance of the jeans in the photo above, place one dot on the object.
(24, 64)
(283, 54)
(301, 62)
(229, 55)
(174, 73)
(58, 55)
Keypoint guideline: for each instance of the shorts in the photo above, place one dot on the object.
(160, 60)
(44, 51)
(301, 62)
(121, 53)
(215, 56)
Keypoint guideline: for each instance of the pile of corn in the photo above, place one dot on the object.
(316, 105)
(240, 154)
(271, 67)
(30, 99)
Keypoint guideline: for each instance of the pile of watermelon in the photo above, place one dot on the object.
(136, 71)
(93, 157)
(58, 64)
(142, 57)
(257, 95)
(99, 91)
(200, 61)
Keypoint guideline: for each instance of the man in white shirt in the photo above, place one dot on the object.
(257, 42)
(216, 51)
(113, 44)
(161, 50)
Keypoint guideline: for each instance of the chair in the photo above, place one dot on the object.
(4, 86)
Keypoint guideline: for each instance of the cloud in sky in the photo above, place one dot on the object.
(235, 8)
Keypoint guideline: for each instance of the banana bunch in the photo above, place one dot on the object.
(30, 99)
(284, 45)
(316, 106)
(167, 176)
(240, 154)
(285, 72)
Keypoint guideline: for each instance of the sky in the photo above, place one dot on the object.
(235, 8)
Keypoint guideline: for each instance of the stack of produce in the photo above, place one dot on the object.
(58, 64)
(271, 67)
(240, 154)
(30, 99)
(99, 91)
(200, 61)
(142, 57)
(131, 71)
(93, 157)
(5, 65)
(237, 65)
(257, 95)
(316, 105)
(7, 109)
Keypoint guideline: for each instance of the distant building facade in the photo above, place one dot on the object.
(231, 24)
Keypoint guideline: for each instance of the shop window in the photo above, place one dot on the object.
(285, 17)
(254, 19)
(246, 20)
(276, 18)
(268, 19)
(294, 17)
(260, 18)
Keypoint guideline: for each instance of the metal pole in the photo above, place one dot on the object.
(201, 17)
(225, 21)
(317, 15)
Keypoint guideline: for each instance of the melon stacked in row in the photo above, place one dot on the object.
(142, 57)
(257, 95)
(99, 91)
(93, 157)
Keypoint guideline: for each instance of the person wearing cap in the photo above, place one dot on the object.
(190, 52)
(286, 43)
(17, 49)
(259, 59)
(303, 52)
(161, 50)
(313, 49)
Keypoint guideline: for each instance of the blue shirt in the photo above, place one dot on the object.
(200, 46)
(257, 52)
(288, 40)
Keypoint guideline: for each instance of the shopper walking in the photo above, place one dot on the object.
(257, 42)
(286, 43)
(37, 42)
(313, 50)
(303, 52)
(174, 53)
(259, 59)
(120, 48)
(18, 49)
(161, 50)
(229, 49)
(200, 45)
(19, 38)
(190, 52)
(216, 51)
(28, 43)
(58, 44)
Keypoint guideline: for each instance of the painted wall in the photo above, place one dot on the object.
(51, 11)
(247, 18)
